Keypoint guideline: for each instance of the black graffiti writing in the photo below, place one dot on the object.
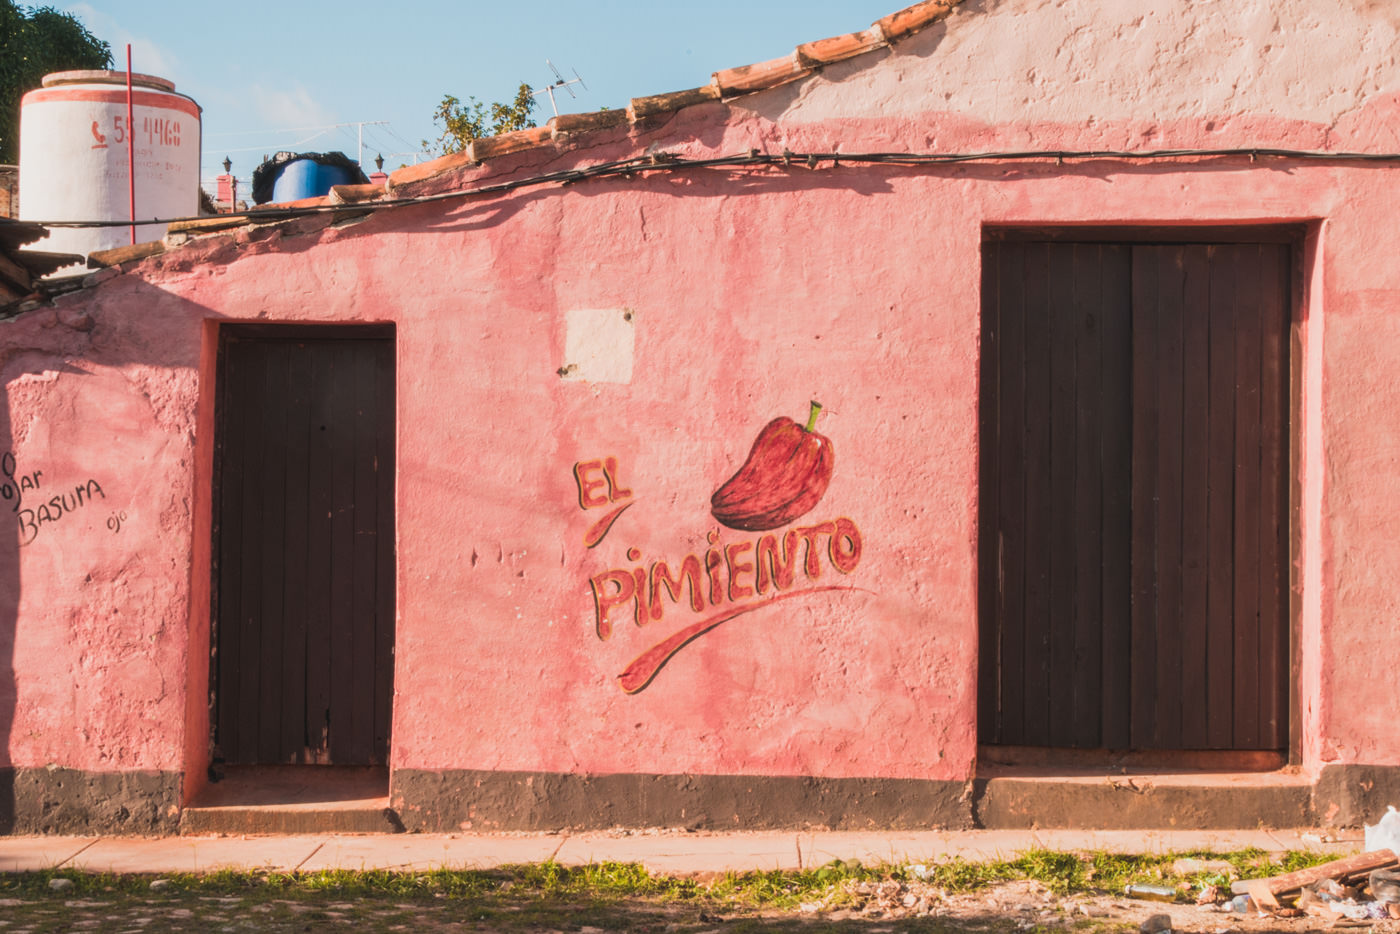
(32, 520)
(14, 484)
(115, 520)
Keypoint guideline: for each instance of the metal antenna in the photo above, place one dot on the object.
(559, 82)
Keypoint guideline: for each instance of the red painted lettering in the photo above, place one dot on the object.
(714, 561)
(738, 591)
(587, 499)
(605, 600)
(690, 575)
(772, 570)
(615, 490)
(844, 547)
(809, 535)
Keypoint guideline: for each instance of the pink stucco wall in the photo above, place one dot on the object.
(743, 295)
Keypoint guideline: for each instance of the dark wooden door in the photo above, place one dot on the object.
(303, 630)
(1134, 495)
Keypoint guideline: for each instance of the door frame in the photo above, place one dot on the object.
(1303, 240)
(218, 335)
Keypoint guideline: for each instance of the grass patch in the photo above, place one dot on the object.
(523, 897)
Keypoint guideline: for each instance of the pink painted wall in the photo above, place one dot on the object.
(744, 295)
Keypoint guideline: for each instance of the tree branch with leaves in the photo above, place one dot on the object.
(33, 43)
(463, 123)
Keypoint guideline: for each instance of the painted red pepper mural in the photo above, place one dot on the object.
(786, 475)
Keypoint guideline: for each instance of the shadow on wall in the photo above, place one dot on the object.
(9, 614)
(160, 330)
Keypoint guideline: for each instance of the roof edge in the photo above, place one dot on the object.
(725, 84)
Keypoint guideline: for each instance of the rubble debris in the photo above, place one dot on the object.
(1384, 885)
(1356, 889)
(1156, 924)
(1347, 871)
(1241, 904)
(1385, 833)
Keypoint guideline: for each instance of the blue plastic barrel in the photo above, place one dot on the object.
(306, 178)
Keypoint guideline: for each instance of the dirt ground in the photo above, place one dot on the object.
(873, 907)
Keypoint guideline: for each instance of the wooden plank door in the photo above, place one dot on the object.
(1133, 523)
(303, 629)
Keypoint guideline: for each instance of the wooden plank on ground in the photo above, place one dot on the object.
(1347, 868)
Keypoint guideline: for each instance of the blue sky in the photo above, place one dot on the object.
(280, 75)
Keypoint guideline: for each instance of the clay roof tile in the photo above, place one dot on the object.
(565, 124)
(353, 194)
(124, 254)
(491, 147)
(840, 48)
(642, 107)
(416, 173)
(911, 19)
(756, 77)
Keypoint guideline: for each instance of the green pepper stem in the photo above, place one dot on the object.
(812, 419)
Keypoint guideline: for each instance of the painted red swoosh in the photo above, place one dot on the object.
(645, 666)
(600, 528)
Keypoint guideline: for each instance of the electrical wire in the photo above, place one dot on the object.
(667, 162)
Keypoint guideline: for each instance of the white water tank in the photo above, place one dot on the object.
(73, 163)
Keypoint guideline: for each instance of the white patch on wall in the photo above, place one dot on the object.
(598, 345)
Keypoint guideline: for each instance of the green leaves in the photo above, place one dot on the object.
(463, 123)
(33, 43)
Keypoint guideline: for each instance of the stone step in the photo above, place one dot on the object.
(293, 799)
(290, 820)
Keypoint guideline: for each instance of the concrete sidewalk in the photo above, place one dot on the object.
(666, 852)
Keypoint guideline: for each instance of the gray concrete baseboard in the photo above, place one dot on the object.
(451, 800)
(74, 801)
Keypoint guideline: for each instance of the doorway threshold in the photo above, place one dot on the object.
(283, 799)
(1048, 760)
(1034, 788)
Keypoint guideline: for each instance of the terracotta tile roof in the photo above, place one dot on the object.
(725, 84)
(562, 130)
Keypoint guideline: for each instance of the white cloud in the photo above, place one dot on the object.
(291, 106)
